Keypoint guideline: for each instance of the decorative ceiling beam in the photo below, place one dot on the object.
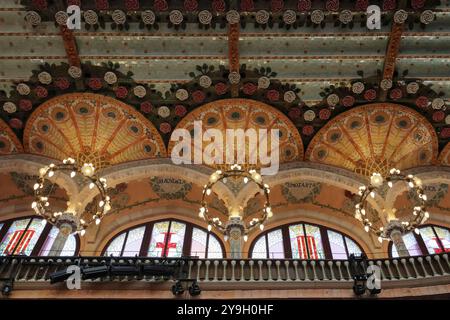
(233, 54)
(392, 50)
(391, 56)
(70, 45)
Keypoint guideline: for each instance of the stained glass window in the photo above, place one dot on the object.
(22, 237)
(352, 247)
(305, 242)
(430, 239)
(436, 240)
(276, 247)
(298, 247)
(314, 242)
(337, 245)
(214, 248)
(198, 246)
(134, 242)
(115, 247)
(175, 239)
(411, 245)
(444, 236)
(24, 234)
(260, 249)
(69, 246)
(159, 239)
(11, 239)
(167, 239)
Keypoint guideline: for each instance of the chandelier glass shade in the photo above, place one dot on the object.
(69, 221)
(419, 212)
(236, 172)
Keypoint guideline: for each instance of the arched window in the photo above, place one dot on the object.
(430, 240)
(167, 238)
(303, 241)
(32, 236)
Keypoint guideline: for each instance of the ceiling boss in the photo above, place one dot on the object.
(395, 228)
(70, 220)
(236, 228)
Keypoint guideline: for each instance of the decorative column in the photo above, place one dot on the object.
(235, 232)
(67, 223)
(395, 231)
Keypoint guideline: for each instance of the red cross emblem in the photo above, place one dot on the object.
(170, 245)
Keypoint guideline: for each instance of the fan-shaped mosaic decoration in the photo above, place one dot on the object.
(8, 140)
(91, 128)
(444, 157)
(246, 114)
(375, 137)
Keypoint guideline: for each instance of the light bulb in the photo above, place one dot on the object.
(424, 197)
(43, 222)
(366, 228)
(36, 186)
(97, 221)
(107, 207)
(363, 211)
(72, 174)
(418, 181)
(82, 233)
(208, 192)
(257, 177)
(269, 212)
(245, 238)
(411, 184)
(372, 194)
(225, 237)
(87, 169)
(51, 173)
(376, 180)
(380, 239)
(245, 179)
(213, 178)
(200, 214)
(209, 227)
(427, 214)
(261, 226)
(101, 203)
(82, 221)
(42, 171)
(91, 185)
(390, 184)
(417, 231)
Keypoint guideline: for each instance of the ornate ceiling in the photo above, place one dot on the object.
(246, 114)
(92, 128)
(374, 138)
(9, 143)
(160, 64)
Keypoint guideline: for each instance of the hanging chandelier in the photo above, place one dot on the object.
(69, 221)
(419, 212)
(235, 218)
